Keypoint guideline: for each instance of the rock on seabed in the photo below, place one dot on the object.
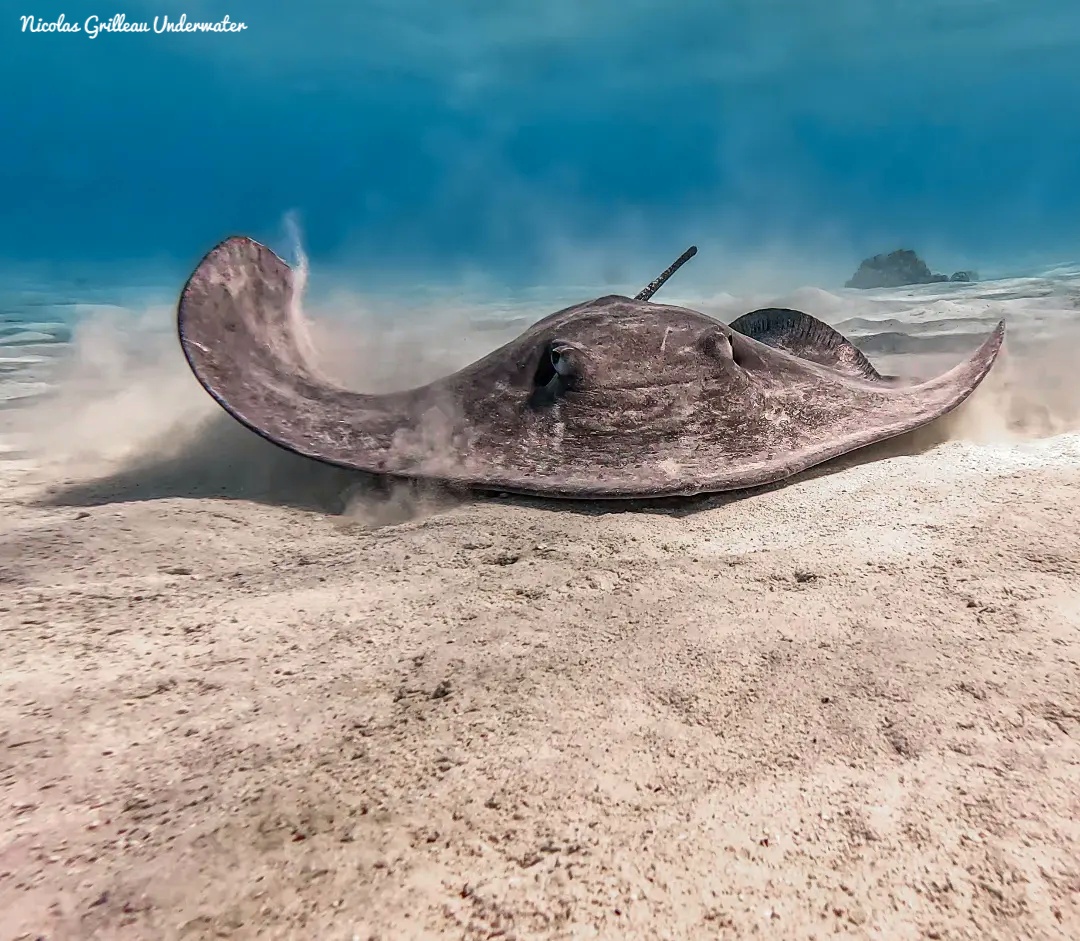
(900, 268)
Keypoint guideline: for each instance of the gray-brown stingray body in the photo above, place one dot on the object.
(611, 398)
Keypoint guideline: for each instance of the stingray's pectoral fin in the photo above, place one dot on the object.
(803, 335)
(246, 343)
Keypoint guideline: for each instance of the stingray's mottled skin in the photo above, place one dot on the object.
(641, 400)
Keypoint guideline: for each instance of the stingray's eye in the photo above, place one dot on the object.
(561, 367)
(562, 360)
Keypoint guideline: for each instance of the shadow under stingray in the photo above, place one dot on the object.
(224, 460)
(221, 460)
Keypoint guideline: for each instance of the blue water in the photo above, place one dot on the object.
(423, 141)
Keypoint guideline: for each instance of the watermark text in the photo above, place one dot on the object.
(94, 26)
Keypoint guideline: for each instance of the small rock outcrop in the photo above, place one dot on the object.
(900, 268)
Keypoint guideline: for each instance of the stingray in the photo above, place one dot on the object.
(616, 397)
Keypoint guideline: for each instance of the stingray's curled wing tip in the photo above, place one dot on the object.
(239, 285)
(236, 243)
(986, 354)
(962, 380)
(236, 321)
(991, 346)
(234, 252)
(232, 255)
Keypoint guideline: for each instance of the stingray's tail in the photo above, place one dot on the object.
(655, 286)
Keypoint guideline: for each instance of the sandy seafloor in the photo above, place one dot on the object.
(244, 696)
